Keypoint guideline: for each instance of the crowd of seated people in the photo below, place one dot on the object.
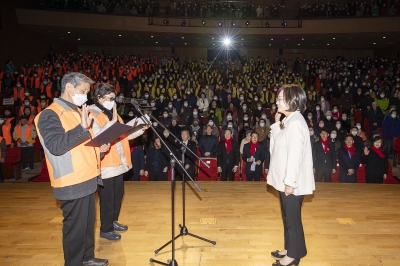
(226, 9)
(349, 101)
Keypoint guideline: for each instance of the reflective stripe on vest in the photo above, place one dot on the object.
(112, 158)
(77, 165)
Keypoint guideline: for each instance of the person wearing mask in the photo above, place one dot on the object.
(165, 119)
(208, 144)
(391, 129)
(324, 157)
(114, 163)
(335, 113)
(346, 101)
(366, 105)
(215, 112)
(318, 113)
(195, 114)
(186, 112)
(358, 141)
(313, 137)
(74, 168)
(330, 124)
(215, 131)
(346, 122)
(349, 160)
(310, 119)
(383, 101)
(341, 133)
(19, 93)
(325, 106)
(171, 110)
(228, 156)
(232, 109)
(190, 159)
(262, 129)
(258, 112)
(7, 128)
(333, 138)
(245, 119)
(229, 117)
(176, 103)
(375, 117)
(360, 132)
(157, 162)
(27, 113)
(244, 110)
(319, 128)
(291, 170)
(376, 160)
(195, 130)
(254, 156)
(202, 103)
(161, 104)
(25, 134)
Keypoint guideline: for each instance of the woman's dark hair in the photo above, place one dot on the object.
(294, 96)
(102, 90)
(376, 138)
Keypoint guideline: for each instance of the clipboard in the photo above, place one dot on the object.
(111, 134)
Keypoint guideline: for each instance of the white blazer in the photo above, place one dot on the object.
(291, 156)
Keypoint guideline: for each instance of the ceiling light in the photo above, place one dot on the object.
(151, 36)
(269, 44)
(183, 24)
(166, 21)
(156, 42)
(333, 38)
(272, 39)
(79, 39)
(241, 44)
(203, 22)
(374, 43)
(183, 37)
(302, 39)
(327, 44)
(384, 37)
(298, 44)
(267, 25)
(120, 35)
(247, 23)
(213, 43)
(69, 32)
(212, 38)
(242, 39)
(220, 24)
(233, 24)
(284, 23)
(185, 43)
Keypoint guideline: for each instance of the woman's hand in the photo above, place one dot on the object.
(278, 117)
(288, 190)
(105, 147)
(384, 176)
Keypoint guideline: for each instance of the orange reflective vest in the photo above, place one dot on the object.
(79, 164)
(112, 158)
(28, 133)
(6, 128)
(21, 93)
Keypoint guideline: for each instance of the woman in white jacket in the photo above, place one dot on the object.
(291, 170)
(202, 103)
(114, 163)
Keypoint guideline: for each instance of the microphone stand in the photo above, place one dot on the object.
(173, 161)
(184, 231)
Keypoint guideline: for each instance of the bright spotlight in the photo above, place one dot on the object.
(227, 41)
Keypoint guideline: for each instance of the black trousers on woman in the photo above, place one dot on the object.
(295, 243)
(110, 195)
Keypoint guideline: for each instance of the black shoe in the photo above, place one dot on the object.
(96, 262)
(295, 262)
(110, 235)
(119, 227)
(276, 254)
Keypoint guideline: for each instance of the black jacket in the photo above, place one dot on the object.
(259, 155)
(163, 161)
(189, 157)
(375, 165)
(230, 159)
(346, 163)
(324, 160)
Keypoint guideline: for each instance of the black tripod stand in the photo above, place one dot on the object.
(173, 160)
(183, 229)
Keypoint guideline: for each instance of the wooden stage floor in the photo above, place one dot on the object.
(248, 225)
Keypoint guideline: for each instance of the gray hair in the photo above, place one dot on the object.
(75, 79)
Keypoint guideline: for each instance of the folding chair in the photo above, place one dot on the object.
(204, 173)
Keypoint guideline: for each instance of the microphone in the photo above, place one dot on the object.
(134, 101)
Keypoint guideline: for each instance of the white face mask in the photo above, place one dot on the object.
(229, 117)
(354, 133)
(79, 99)
(322, 99)
(359, 127)
(153, 104)
(263, 116)
(255, 99)
(311, 133)
(230, 126)
(245, 118)
(210, 123)
(259, 107)
(328, 117)
(161, 98)
(309, 117)
(185, 104)
(333, 136)
(262, 124)
(130, 115)
(393, 115)
(165, 115)
(155, 124)
(175, 97)
(108, 104)
(26, 93)
(338, 126)
(1, 122)
(317, 108)
(26, 103)
(335, 110)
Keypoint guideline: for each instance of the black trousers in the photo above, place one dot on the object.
(295, 243)
(160, 176)
(78, 229)
(227, 173)
(323, 173)
(250, 175)
(375, 179)
(27, 154)
(110, 195)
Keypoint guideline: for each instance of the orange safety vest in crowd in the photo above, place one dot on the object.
(21, 93)
(112, 158)
(6, 128)
(28, 133)
(22, 109)
(79, 164)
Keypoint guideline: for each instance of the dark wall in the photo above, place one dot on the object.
(21, 45)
